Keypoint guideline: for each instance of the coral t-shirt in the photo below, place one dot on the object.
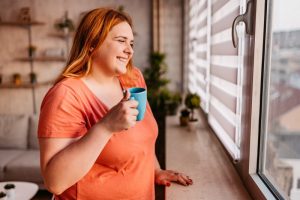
(125, 168)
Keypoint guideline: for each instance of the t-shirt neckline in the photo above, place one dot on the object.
(94, 95)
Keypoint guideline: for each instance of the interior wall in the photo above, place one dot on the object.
(14, 43)
(172, 36)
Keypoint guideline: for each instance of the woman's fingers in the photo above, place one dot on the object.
(182, 180)
(166, 183)
(186, 179)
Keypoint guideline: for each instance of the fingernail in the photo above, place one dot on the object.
(168, 184)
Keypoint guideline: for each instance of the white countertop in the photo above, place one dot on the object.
(201, 156)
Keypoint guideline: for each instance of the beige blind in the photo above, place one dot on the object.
(198, 64)
(215, 67)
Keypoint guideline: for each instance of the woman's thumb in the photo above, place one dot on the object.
(126, 95)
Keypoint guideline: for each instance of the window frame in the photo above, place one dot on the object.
(258, 185)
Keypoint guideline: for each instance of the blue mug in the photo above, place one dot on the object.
(140, 95)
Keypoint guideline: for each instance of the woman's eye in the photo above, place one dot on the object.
(131, 45)
(121, 41)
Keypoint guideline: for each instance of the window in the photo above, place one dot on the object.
(215, 66)
(279, 158)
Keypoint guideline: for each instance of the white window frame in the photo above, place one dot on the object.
(260, 19)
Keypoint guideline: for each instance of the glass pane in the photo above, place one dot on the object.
(280, 162)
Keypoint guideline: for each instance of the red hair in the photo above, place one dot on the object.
(90, 34)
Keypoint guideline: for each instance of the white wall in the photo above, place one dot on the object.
(172, 41)
(14, 41)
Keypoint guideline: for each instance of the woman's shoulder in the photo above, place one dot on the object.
(67, 84)
(65, 89)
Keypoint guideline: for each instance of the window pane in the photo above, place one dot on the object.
(280, 161)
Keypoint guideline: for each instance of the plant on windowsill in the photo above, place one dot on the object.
(192, 101)
(184, 117)
(161, 99)
(156, 82)
(172, 100)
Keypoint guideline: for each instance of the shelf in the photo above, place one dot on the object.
(62, 35)
(32, 23)
(43, 59)
(25, 85)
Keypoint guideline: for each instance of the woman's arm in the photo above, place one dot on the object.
(165, 177)
(65, 161)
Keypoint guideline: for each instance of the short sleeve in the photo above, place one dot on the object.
(61, 114)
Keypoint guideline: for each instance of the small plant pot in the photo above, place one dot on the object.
(193, 125)
(10, 191)
(17, 80)
(32, 51)
(33, 78)
(184, 121)
(3, 196)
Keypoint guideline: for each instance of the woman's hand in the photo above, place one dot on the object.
(122, 116)
(165, 177)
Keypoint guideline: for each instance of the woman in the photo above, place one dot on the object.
(91, 145)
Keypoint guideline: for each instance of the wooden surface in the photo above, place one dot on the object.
(42, 59)
(25, 85)
(200, 155)
(15, 23)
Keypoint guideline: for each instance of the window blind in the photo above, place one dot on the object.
(215, 66)
(198, 64)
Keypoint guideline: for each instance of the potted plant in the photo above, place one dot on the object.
(17, 80)
(156, 82)
(10, 190)
(192, 101)
(173, 103)
(66, 24)
(184, 117)
(31, 50)
(33, 78)
(3, 196)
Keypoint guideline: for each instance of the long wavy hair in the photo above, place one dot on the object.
(90, 34)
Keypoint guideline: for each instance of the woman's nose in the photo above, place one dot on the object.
(129, 50)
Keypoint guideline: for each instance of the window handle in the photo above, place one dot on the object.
(247, 18)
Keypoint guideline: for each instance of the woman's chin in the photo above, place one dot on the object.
(121, 70)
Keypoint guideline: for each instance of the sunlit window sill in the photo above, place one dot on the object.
(200, 155)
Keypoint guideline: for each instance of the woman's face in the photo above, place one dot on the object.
(116, 50)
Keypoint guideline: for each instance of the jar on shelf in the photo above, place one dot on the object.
(33, 77)
(17, 79)
(32, 51)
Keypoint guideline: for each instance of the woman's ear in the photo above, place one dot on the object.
(91, 49)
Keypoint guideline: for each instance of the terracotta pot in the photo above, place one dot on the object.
(193, 125)
(184, 121)
(17, 80)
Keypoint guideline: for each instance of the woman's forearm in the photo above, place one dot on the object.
(69, 165)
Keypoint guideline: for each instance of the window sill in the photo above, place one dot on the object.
(200, 155)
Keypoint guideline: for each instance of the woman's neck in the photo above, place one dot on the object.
(100, 77)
